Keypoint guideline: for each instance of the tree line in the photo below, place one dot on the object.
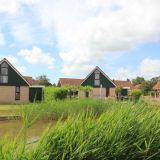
(145, 85)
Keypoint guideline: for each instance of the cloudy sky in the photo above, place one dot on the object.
(67, 38)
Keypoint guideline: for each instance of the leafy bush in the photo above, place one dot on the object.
(135, 94)
(60, 93)
(118, 91)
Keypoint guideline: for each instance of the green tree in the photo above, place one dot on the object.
(42, 80)
(146, 87)
(154, 80)
(135, 94)
(138, 80)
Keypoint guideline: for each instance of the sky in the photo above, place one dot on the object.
(68, 38)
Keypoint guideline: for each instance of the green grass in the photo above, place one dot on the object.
(6, 110)
(92, 130)
(87, 129)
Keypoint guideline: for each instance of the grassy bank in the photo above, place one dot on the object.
(92, 130)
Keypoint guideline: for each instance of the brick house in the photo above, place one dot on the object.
(102, 85)
(16, 88)
(156, 89)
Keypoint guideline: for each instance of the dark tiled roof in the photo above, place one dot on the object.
(70, 81)
(28, 79)
(138, 86)
(123, 83)
(157, 86)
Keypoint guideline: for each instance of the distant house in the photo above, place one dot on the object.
(126, 86)
(102, 85)
(16, 88)
(156, 89)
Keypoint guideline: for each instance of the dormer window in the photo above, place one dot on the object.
(4, 73)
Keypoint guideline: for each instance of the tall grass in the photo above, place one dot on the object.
(119, 133)
(122, 131)
(55, 109)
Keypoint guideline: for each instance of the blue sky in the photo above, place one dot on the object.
(68, 38)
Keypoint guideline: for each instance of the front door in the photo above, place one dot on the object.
(107, 92)
(86, 94)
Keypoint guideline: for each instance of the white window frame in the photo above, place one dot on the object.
(97, 82)
(6, 73)
(4, 76)
(97, 76)
(3, 79)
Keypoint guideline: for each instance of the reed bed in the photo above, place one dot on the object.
(92, 130)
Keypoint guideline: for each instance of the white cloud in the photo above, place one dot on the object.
(13, 6)
(150, 67)
(123, 74)
(21, 69)
(9, 6)
(14, 61)
(2, 39)
(21, 32)
(37, 56)
(87, 31)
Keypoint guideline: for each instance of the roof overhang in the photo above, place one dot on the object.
(39, 86)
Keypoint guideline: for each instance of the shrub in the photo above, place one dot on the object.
(118, 91)
(135, 94)
(60, 94)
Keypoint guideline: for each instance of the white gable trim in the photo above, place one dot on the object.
(39, 86)
(97, 68)
(5, 60)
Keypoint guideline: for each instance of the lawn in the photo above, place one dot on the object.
(7, 110)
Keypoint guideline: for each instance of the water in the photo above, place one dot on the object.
(12, 127)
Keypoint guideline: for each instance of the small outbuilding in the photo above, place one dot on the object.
(36, 93)
(156, 90)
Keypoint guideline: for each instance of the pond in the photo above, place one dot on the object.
(12, 127)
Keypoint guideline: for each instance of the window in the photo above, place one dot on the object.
(4, 73)
(17, 95)
(97, 76)
(4, 65)
(97, 82)
(3, 79)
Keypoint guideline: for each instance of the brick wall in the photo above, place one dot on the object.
(7, 94)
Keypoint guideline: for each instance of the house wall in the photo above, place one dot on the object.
(112, 92)
(81, 94)
(7, 94)
(96, 93)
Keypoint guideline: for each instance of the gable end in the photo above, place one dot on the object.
(14, 77)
